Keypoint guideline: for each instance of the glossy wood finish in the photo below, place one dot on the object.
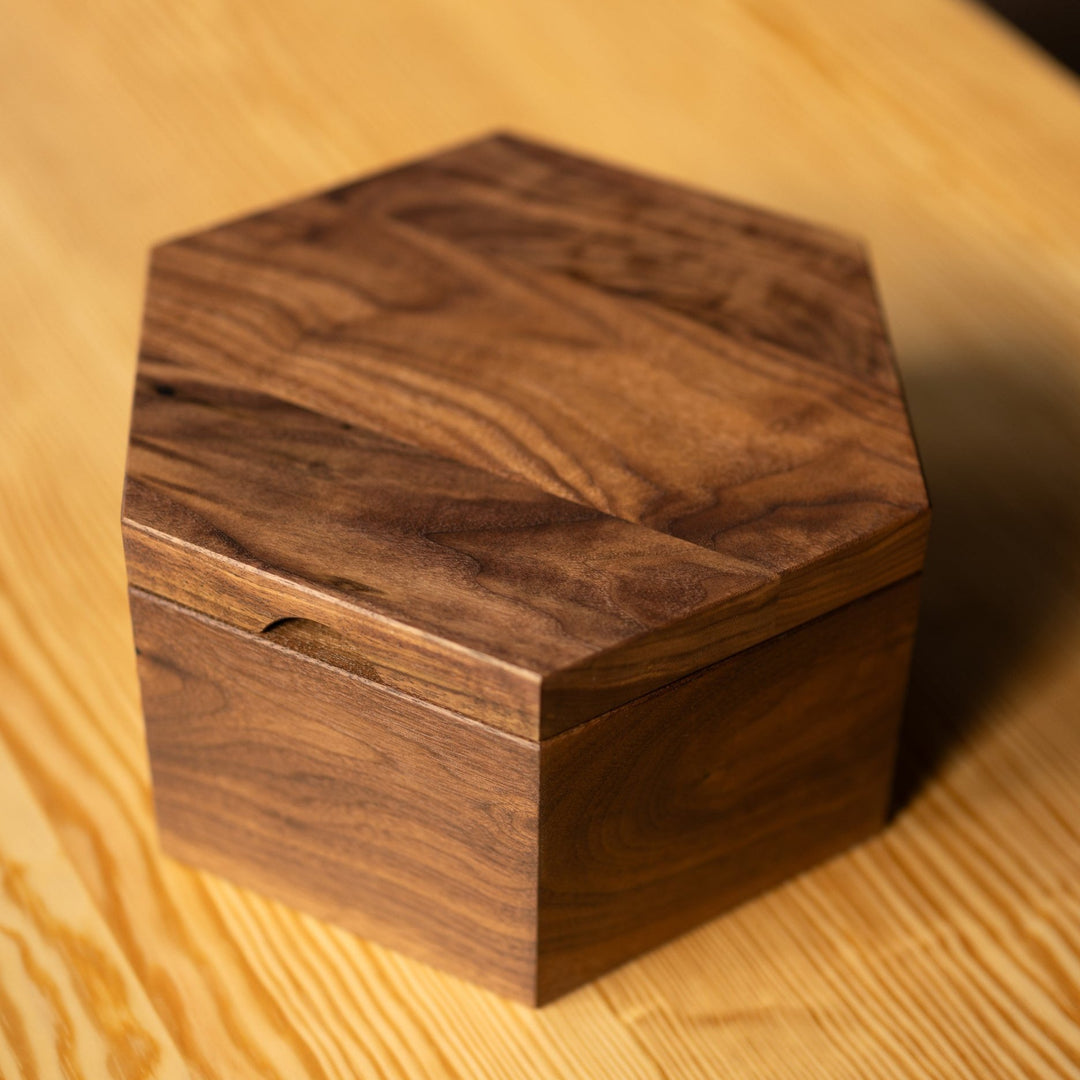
(945, 946)
(673, 808)
(386, 815)
(535, 434)
(718, 372)
(482, 594)
(550, 445)
(527, 867)
(451, 583)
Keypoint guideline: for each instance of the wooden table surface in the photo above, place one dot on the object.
(947, 947)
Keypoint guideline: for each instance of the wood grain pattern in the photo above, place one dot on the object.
(711, 370)
(514, 316)
(528, 867)
(481, 594)
(948, 945)
(385, 815)
(70, 1004)
(704, 391)
(454, 584)
(680, 805)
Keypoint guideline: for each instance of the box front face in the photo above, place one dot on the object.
(391, 818)
(684, 803)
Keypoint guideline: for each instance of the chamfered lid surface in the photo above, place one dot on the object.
(516, 432)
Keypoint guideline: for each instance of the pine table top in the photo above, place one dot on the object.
(947, 946)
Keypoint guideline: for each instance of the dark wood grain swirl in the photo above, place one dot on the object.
(537, 435)
(364, 806)
(524, 555)
(684, 803)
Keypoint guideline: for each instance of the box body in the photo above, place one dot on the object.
(528, 867)
(524, 556)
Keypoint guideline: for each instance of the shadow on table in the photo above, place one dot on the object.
(1001, 449)
(1053, 24)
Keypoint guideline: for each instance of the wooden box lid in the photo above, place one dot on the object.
(518, 433)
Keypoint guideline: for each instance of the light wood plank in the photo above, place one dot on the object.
(947, 947)
(69, 1003)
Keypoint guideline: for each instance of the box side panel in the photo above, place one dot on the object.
(396, 820)
(675, 807)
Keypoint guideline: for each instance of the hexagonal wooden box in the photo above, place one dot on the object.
(524, 556)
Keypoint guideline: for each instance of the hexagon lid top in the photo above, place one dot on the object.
(516, 432)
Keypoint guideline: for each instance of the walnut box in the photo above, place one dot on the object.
(524, 556)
